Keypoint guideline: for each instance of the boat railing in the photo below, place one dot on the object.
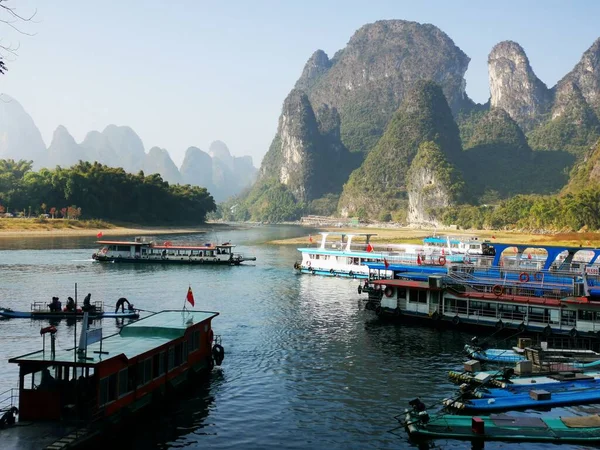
(43, 306)
(8, 399)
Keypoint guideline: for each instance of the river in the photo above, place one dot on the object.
(305, 365)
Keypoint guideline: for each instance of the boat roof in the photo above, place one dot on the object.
(133, 340)
(341, 233)
(166, 244)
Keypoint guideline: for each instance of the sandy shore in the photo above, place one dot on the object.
(113, 231)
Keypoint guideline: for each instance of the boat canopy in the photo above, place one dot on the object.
(552, 251)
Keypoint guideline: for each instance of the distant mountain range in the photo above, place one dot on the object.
(221, 173)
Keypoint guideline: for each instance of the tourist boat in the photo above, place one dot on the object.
(451, 245)
(105, 380)
(40, 310)
(147, 250)
(500, 427)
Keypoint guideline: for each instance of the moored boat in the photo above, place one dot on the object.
(40, 310)
(146, 250)
(500, 427)
(105, 380)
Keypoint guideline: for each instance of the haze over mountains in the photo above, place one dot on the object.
(221, 173)
(390, 113)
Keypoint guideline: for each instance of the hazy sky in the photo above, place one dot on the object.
(184, 73)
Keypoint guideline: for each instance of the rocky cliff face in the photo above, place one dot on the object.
(367, 80)
(433, 185)
(19, 137)
(305, 149)
(159, 161)
(514, 86)
(379, 185)
(586, 76)
(97, 147)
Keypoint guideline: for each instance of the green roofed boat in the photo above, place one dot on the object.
(500, 427)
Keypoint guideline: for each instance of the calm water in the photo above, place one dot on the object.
(305, 365)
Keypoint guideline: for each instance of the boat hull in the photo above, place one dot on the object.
(186, 261)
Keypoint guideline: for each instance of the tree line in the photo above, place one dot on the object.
(95, 191)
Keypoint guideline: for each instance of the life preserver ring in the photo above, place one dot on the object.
(307, 263)
(466, 259)
(547, 330)
(456, 320)
(497, 290)
(573, 333)
(359, 289)
(442, 260)
(523, 277)
(389, 291)
(522, 327)
(539, 276)
(104, 251)
(499, 325)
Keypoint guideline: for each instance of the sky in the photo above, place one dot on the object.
(188, 72)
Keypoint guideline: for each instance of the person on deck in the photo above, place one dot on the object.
(70, 304)
(87, 305)
(55, 305)
(121, 304)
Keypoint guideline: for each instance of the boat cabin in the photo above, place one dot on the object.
(115, 373)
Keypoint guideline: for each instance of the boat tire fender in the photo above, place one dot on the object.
(522, 327)
(389, 291)
(497, 290)
(573, 333)
(456, 320)
(442, 260)
(351, 274)
(215, 259)
(547, 330)
(359, 289)
(499, 325)
(523, 277)
(331, 271)
(435, 315)
(296, 266)
(218, 353)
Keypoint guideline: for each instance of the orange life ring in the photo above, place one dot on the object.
(442, 260)
(389, 291)
(497, 290)
(523, 277)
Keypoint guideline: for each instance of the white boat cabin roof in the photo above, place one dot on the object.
(169, 244)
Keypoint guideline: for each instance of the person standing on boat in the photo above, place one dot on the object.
(70, 304)
(87, 305)
(55, 305)
(121, 304)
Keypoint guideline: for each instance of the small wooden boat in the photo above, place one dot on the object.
(501, 427)
(493, 355)
(40, 310)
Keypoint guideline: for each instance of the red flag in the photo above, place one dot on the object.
(493, 237)
(386, 263)
(369, 248)
(418, 259)
(190, 296)
(310, 238)
(99, 235)
(528, 255)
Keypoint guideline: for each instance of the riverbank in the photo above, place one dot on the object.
(57, 227)
(415, 236)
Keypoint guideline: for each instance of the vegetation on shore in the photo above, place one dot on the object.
(95, 191)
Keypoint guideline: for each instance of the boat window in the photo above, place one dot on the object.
(417, 296)
(162, 360)
(147, 370)
(589, 315)
(178, 355)
(124, 382)
(185, 351)
(195, 345)
(108, 389)
(568, 317)
(155, 363)
(538, 315)
(455, 306)
(483, 308)
(171, 364)
(123, 248)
